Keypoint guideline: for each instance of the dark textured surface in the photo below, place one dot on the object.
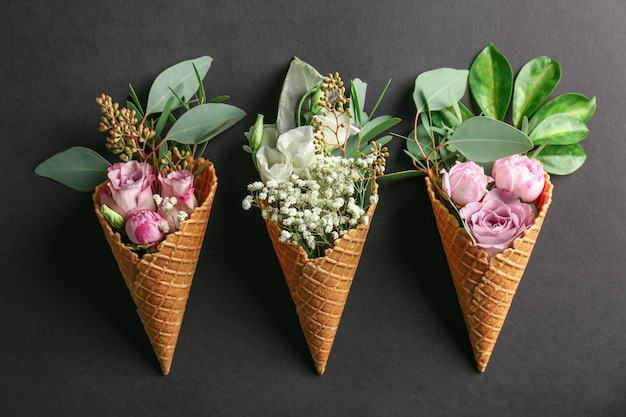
(72, 343)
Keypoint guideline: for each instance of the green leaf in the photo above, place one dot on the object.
(178, 80)
(81, 169)
(358, 93)
(562, 159)
(491, 82)
(574, 104)
(533, 84)
(204, 122)
(301, 77)
(482, 139)
(559, 129)
(439, 89)
(377, 126)
(400, 175)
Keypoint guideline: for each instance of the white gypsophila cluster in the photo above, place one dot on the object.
(321, 204)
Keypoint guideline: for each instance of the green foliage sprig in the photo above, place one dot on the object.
(170, 133)
(507, 115)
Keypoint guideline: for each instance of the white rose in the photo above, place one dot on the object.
(298, 147)
(273, 165)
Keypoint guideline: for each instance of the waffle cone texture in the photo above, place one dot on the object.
(485, 287)
(159, 283)
(319, 287)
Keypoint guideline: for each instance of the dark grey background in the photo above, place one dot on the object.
(72, 344)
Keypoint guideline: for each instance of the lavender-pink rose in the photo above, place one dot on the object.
(465, 183)
(145, 227)
(177, 186)
(520, 175)
(497, 220)
(130, 186)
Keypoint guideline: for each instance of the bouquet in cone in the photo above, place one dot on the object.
(489, 223)
(154, 205)
(318, 166)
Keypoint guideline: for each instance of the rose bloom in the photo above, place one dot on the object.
(145, 227)
(465, 183)
(520, 175)
(497, 220)
(294, 152)
(130, 187)
(178, 184)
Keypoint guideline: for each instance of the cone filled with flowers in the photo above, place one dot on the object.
(154, 205)
(318, 167)
(489, 223)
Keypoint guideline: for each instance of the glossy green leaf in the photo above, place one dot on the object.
(491, 82)
(482, 139)
(574, 104)
(204, 122)
(79, 168)
(559, 129)
(178, 80)
(562, 159)
(439, 89)
(301, 77)
(377, 126)
(533, 84)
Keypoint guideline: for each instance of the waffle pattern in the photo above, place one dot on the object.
(159, 283)
(485, 288)
(319, 287)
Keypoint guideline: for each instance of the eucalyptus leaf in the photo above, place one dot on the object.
(483, 139)
(421, 151)
(439, 89)
(491, 82)
(448, 118)
(178, 80)
(573, 104)
(204, 122)
(400, 175)
(358, 94)
(559, 129)
(78, 168)
(301, 77)
(562, 159)
(377, 126)
(533, 84)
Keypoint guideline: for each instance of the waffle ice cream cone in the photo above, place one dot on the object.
(319, 287)
(485, 287)
(159, 283)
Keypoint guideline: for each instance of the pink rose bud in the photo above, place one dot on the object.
(520, 175)
(179, 184)
(497, 220)
(130, 187)
(465, 183)
(177, 199)
(145, 227)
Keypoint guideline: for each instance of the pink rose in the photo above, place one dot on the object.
(178, 188)
(497, 220)
(130, 186)
(145, 227)
(520, 175)
(465, 183)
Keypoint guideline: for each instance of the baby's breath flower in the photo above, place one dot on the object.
(319, 205)
(164, 226)
(182, 216)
